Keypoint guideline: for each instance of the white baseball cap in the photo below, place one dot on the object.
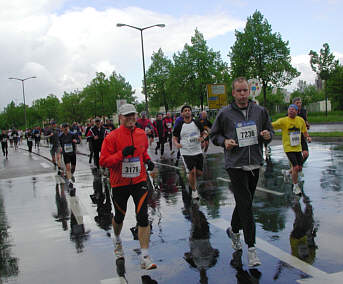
(127, 109)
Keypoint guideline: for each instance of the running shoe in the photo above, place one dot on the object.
(146, 263)
(195, 194)
(235, 238)
(118, 250)
(296, 189)
(253, 259)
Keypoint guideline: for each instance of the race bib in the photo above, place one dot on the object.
(29, 139)
(169, 125)
(147, 130)
(246, 133)
(194, 139)
(68, 148)
(14, 136)
(131, 167)
(4, 140)
(294, 138)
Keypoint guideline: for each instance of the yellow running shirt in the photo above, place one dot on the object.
(291, 132)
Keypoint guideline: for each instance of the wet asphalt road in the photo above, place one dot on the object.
(49, 236)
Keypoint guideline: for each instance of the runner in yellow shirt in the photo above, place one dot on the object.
(292, 126)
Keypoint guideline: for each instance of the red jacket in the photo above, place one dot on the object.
(112, 157)
(168, 124)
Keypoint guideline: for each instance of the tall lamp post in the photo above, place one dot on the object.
(22, 83)
(141, 30)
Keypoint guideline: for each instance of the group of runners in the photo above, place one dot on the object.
(15, 138)
(242, 129)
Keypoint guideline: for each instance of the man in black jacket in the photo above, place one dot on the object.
(241, 129)
(98, 135)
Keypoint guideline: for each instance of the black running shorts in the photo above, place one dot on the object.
(295, 158)
(69, 159)
(195, 161)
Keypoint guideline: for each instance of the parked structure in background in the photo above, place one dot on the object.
(318, 106)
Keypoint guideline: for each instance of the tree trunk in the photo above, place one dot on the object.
(264, 87)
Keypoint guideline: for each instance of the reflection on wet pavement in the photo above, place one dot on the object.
(186, 242)
(8, 262)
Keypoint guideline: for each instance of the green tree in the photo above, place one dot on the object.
(259, 53)
(14, 115)
(335, 87)
(101, 95)
(195, 67)
(156, 79)
(71, 108)
(46, 108)
(308, 94)
(323, 64)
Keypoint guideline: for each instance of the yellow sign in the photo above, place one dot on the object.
(216, 96)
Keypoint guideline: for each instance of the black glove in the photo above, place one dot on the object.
(151, 165)
(128, 150)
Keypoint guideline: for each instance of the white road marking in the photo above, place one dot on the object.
(45, 165)
(280, 254)
(333, 278)
(257, 188)
(166, 165)
(115, 280)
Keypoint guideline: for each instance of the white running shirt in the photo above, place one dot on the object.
(189, 139)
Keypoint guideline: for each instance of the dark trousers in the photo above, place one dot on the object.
(4, 147)
(29, 144)
(96, 153)
(243, 186)
(90, 147)
(160, 143)
(170, 140)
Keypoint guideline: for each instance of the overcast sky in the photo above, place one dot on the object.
(65, 42)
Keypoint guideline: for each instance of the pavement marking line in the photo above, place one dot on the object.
(166, 165)
(333, 278)
(45, 165)
(115, 280)
(257, 188)
(280, 254)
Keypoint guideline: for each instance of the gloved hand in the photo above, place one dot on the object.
(128, 150)
(151, 165)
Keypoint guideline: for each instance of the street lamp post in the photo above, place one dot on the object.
(22, 83)
(141, 30)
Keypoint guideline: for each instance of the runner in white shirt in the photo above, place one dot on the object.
(187, 137)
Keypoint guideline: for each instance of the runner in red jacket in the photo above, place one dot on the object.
(124, 152)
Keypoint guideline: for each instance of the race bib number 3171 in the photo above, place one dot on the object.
(131, 167)
(246, 133)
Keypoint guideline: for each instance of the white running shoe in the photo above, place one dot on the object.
(253, 259)
(118, 250)
(195, 194)
(146, 263)
(235, 238)
(296, 189)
